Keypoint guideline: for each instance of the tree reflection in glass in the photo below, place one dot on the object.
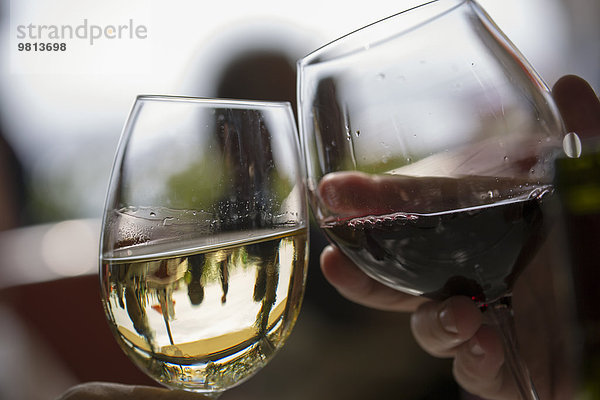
(204, 242)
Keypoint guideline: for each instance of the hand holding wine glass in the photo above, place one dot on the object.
(430, 145)
(453, 328)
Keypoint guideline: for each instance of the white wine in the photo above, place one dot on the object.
(206, 320)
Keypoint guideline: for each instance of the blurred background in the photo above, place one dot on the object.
(61, 114)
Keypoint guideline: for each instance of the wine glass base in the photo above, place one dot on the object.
(213, 395)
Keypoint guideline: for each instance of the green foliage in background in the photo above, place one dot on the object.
(200, 185)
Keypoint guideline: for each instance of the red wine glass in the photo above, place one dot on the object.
(430, 144)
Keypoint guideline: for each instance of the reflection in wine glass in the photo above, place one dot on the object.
(204, 240)
(430, 144)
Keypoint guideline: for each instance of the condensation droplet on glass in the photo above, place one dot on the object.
(408, 160)
(544, 194)
(505, 158)
(572, 145)
(152, 214)
(357, 133)
(168, 221)
(460, 256)
(535, 193)
(490, 194)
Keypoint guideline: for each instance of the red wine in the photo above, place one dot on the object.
(476, 251)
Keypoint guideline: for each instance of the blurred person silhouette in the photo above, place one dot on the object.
(270, 75)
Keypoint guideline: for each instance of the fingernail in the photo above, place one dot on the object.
(447, 320)
(330, 196)
(475, 348)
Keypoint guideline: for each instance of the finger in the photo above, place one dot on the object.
(357, 194)
(440, 328)
(356, 286)
(115, 391)
(479, 367)
(578, 104)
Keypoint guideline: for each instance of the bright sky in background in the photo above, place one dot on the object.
(64, 112)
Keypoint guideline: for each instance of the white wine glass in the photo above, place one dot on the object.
(204, 241)
(429, 142)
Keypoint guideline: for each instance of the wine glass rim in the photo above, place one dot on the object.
(235, 103)
(310, 57)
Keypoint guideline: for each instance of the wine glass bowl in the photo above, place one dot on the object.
(475, 251)
(429, 142)
(444, 114)
(204, 242)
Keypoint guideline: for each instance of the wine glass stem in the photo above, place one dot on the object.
(501, 314)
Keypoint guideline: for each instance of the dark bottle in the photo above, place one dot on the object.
(578, 186)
